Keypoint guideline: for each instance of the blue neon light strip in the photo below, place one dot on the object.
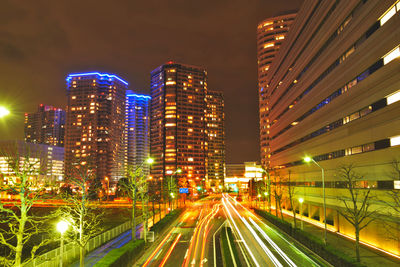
(96, 73)
(135, 95)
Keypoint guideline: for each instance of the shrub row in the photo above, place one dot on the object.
(328, 252)
(123, 256)
(167, 220)
(127, 254)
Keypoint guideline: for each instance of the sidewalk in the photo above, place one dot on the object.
(94, 256)
(369, 256)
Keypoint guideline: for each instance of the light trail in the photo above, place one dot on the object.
(196, 232)
(206, 231)
(157, 249)
(272, 243)
(170, 251)
(269, 253)
(240, 234)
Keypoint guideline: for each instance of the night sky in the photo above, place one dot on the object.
(42, 41)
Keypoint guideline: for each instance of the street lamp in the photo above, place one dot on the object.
(62, 227)
(3, 112)
(178, 170)
(310, 159)
(108, 186)
(267, 186)
(301, 200)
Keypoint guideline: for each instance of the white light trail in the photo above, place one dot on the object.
(258, 239)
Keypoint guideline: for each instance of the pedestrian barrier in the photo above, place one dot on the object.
(71, 250)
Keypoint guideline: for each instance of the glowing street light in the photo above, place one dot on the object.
(301, 200)
(310, 159)
(62, 227)
(4, 112)
(150, 161)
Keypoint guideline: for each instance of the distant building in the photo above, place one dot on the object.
(215, 132)
(177, 124)
(271, 33)
(240, 175)
(46, 126)
(137, 129)
(47, 160)
(95, 123)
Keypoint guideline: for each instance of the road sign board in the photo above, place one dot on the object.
(183, 190)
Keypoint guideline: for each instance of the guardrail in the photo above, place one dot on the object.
(71, 250)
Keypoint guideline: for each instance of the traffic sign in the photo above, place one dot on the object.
(184, 190)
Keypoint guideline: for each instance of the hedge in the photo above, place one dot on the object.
(328, 252)
(167, 220)
(127, 254)
(123, 256)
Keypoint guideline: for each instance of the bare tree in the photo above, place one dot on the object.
(134, 185)
(394, 202)
(83, 217)
(291, 190)
(19, 224)
(357, 208)
(278, 194)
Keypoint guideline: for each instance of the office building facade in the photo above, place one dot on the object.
(95, 124)
(271, 33)
(333, 94)
(47, 162)
(137, 130)
(46, 126)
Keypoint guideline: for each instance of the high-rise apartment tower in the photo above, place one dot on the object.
(177, 124)
(137, 132)
(95, 123)
(46, 126)
(271, 33)
(215, 131)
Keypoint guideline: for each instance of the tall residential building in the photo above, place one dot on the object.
(137, 129)
(215, 131)
(177, 123)
(46, 126)
(334, 94)
(271, 33)
(95, 123)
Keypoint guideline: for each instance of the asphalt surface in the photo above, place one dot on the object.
(193, 240)
(260, 244)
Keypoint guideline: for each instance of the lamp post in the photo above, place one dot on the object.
(267, 186)
(62, 227)
(265, 196)
(178, 170)
(309, 159)
(108, 187)
(3, 112)
(301, 200)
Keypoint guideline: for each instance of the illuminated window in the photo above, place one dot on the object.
(170, 83)
(395, 141)
(170, 124)
(395, 53)
(393, 98)
(190, 159)
(268, 45)
(388, 15)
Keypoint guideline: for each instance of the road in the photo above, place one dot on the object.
(191, 241)
(261, 244)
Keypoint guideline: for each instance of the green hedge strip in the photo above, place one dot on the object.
(328, 252)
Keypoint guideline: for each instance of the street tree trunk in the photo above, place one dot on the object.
(357, 243)
(134, 217)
